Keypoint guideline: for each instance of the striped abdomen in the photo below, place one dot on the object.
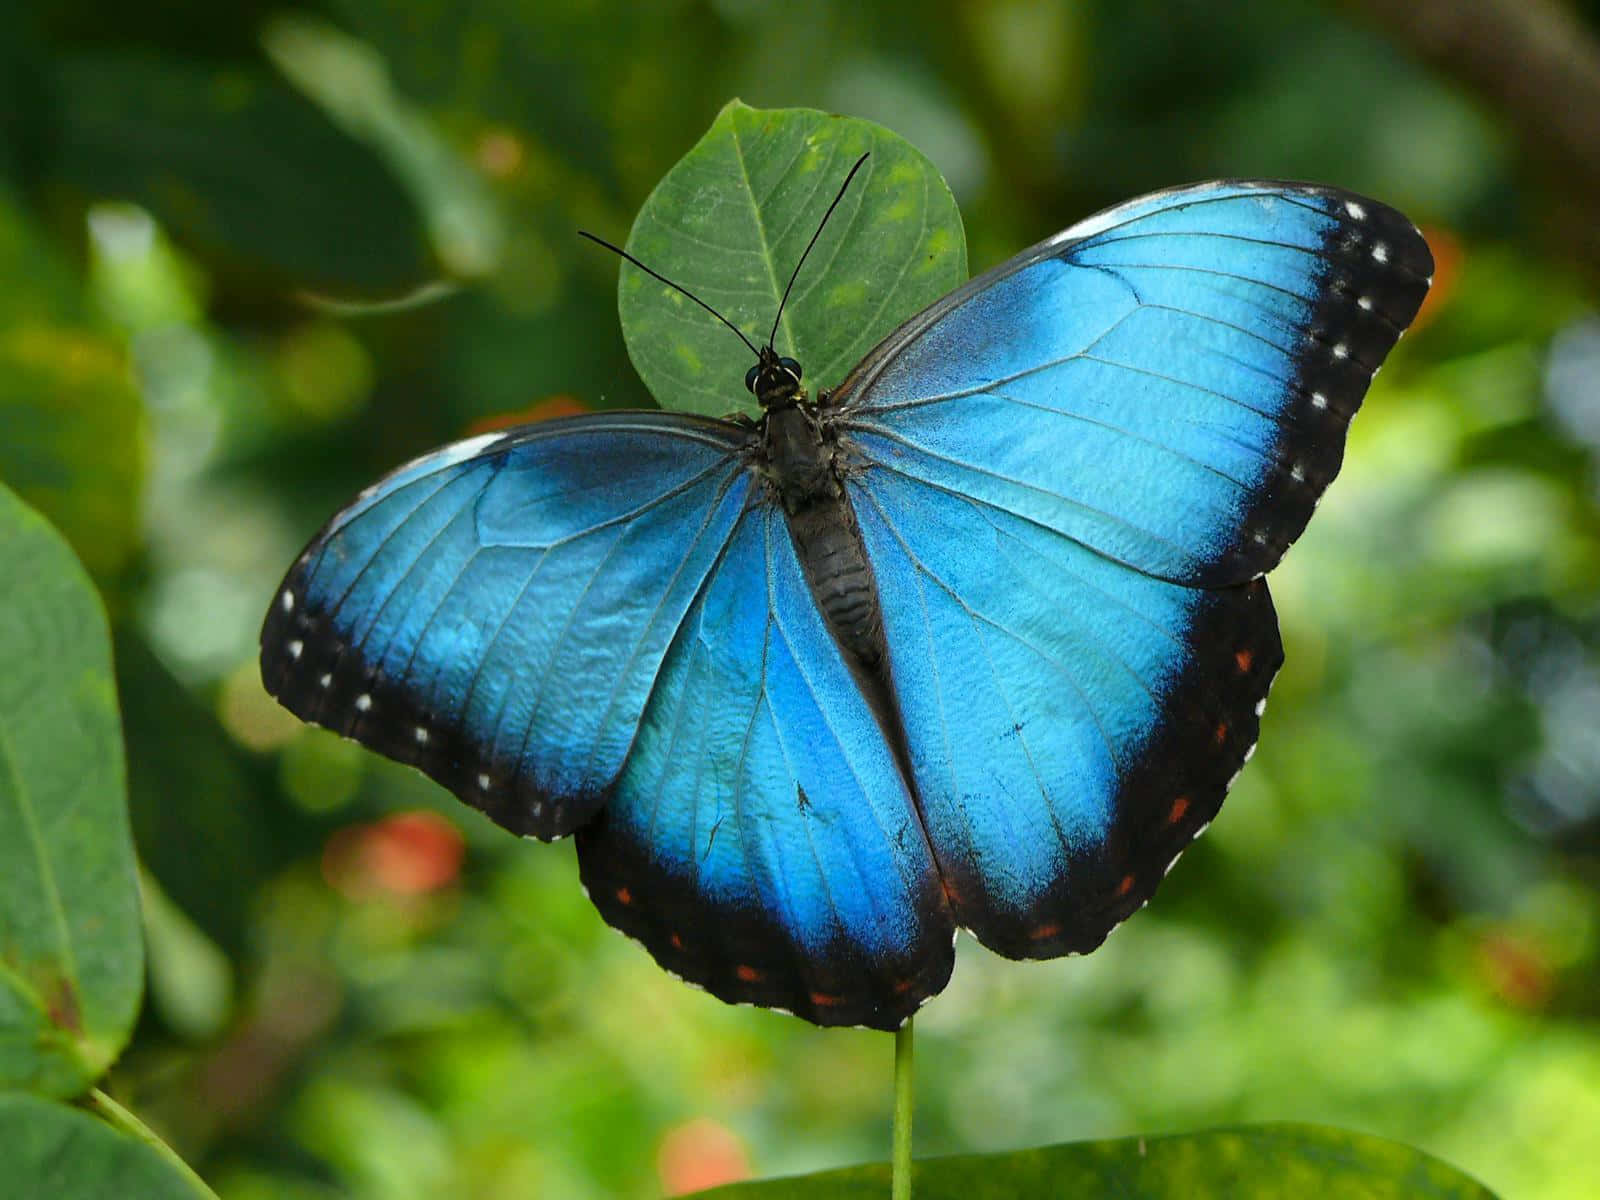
(835, 563)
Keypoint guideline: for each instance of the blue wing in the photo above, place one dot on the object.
(762, 842)
(1072, 724)
(1168, 383)
(496, 612)
(1067, 475)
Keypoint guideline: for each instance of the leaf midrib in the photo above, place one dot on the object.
(761, 231)
(8, 764)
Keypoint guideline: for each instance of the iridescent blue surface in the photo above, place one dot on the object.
(1066, 479)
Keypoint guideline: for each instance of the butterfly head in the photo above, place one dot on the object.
(774, 381)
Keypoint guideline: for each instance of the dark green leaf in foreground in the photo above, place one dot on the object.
(71, 959)
(51, 1150)
(730, 221)
(1259, 1162)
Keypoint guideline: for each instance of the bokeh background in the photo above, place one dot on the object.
(252, 256)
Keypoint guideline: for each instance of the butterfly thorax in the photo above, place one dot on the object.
(800, 463)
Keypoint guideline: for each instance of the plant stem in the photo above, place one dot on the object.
(904, 1100)
(114, 1114)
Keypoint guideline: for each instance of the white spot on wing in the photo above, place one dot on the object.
(363, 702)
(461, 451)
(483, 783)
(296, 647)
(1099, 223)
(422, 736)
(1364, 303)
(1341, 351)
(287, 600)
(1112, 217)
(1261, 706)
(1318, 400)
(325, 681)
(1380, 252)
(1355, 210)
(438, 460)
(1297, 473)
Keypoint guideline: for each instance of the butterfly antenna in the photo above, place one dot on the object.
(843, 187)
(618, 250)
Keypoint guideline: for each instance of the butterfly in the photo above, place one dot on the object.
(977, 637)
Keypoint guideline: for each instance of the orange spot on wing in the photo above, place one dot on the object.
(747, 974)
(1125, 886)
(1222, 733)
(904, 986)
(677, 942)
(624, 895)
(1179, 807)
(1244, 658)
(823, 1000)
(1045, 931)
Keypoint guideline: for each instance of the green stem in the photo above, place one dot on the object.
(904, 1099)
(114, 1114)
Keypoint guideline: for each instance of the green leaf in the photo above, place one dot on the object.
(51, 1150)
(211, 859)
(732, 218)
(1255, 1162)
(71, 424)
(71, 958)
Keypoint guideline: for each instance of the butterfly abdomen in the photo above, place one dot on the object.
(835, 564)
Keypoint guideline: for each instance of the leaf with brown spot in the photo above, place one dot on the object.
(71, 951)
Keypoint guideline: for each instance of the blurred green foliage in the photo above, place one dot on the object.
(250, 261)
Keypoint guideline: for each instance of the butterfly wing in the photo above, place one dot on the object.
(1068, 475)
(1168, 383)
(762, 842)
(496, 612)
(1072, 724)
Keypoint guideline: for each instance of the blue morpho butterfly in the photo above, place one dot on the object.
(977, 637)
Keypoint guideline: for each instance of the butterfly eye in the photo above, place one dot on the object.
(791, 366)
(751, 376)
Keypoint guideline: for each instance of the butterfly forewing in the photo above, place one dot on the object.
(1168, 383)
(496, 612)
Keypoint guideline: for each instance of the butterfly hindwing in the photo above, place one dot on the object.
(1168, 383)
(1072, 723)
(496, 612)
(762, 842)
